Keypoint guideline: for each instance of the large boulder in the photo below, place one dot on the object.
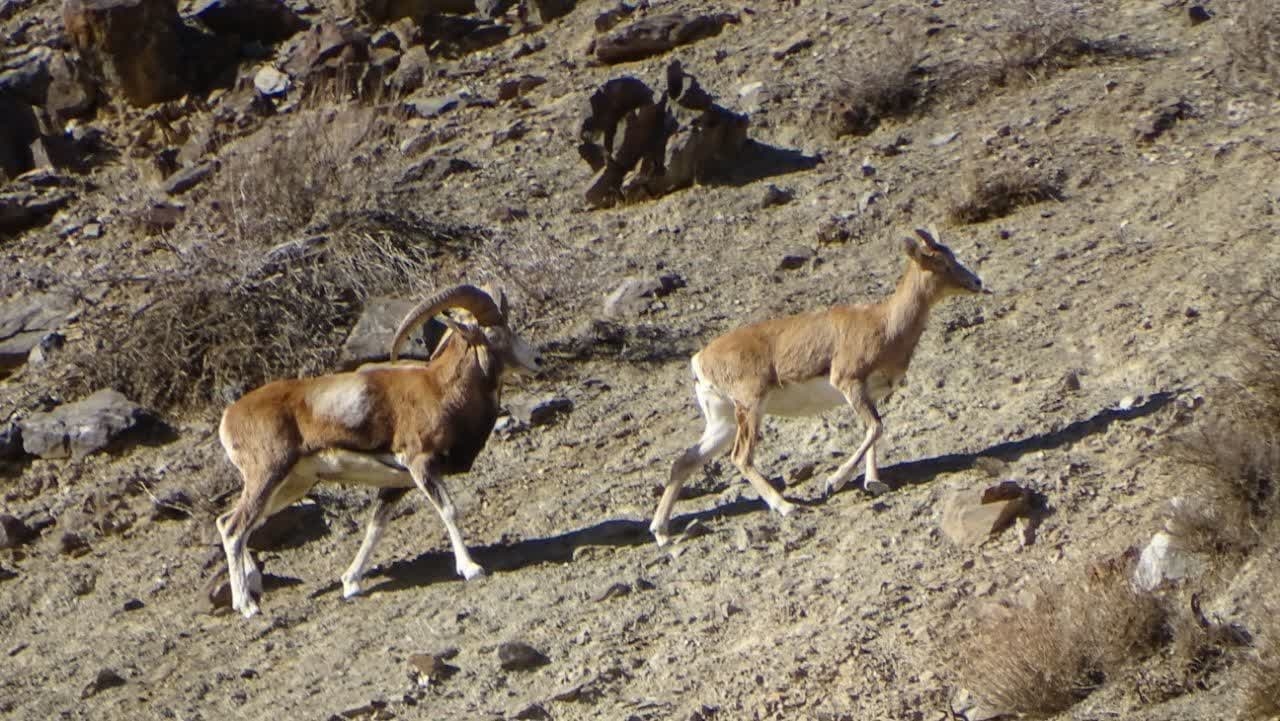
(143, 49)
(370, 339)
(640, 148)
(78, 429)
(657, 34)
(266, 21)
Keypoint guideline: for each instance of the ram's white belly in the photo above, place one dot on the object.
(336, 465)
(803, 399)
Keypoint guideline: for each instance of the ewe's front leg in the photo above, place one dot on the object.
(855, 394)
(426, 475)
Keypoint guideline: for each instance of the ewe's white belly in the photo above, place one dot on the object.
(803, 399)
(350, 467)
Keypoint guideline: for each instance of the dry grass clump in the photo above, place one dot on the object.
(996, 192)
(1253, 43)
(1233, 455)
(1037, 36)
(278, 183)
(888, 86)
(1262, 669)
(1043, 658)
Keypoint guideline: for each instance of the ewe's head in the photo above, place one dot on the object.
(483, 321)
(936, 258)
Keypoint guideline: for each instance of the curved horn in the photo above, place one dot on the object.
(467, 297)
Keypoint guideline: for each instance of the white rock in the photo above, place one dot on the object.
(270, 81)
(1163, 560)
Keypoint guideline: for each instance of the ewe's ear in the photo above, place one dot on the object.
(913, 249)
(930, 237)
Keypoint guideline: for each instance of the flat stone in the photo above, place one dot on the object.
(520, 656)
(188, 178)
(969, 519)
(25, 321)
(370, 338)
(540, 412)
(78, 429)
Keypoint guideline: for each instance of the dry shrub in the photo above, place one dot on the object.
(997, 192)
(280, 182)
(888, 86)
(236, 319)
(1043, 658)
(1232, 456)
(1039, 35)
(1253, 43)
(1262, 669)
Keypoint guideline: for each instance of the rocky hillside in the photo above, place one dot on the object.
(197, 198)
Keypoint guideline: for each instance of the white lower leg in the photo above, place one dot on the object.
(716, 437)
(842, 474)
(237, 574)
(372, 534)
(871, 481)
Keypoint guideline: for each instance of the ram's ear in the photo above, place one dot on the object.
(499, 298)
(913, 248)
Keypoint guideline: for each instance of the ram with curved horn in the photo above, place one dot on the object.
(390, 426)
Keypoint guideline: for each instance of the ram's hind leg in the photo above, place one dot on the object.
(250, 511)
(387, 498)
(718, 412)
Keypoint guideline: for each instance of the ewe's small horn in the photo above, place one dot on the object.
(468, 297)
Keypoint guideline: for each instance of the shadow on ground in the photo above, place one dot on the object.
(438, 566)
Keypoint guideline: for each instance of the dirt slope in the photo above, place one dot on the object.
(857, 608)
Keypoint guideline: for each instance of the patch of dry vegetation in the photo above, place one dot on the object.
(234, 320)
(888, 86)
(996, 192)
(1253, 43)
(267, 278)
(1262, 669)
(1042, 658)
(1232, 456)
(1037, 36)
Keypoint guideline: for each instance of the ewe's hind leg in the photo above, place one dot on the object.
(718, 412)
(387, 498)
(744, 448)
(428, 479)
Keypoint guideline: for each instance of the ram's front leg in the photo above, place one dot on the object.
(427, 476)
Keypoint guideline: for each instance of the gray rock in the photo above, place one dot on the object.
(270, 81)
(105, 679)
(796, 258)
(26, 322)
(794, 44)
(370, 339)
(773, 195)
(428, 668)
(433, 106)
(266, 21)
(10, 442)
(540, 412)
(13, 532)
(631, 296)
(520, 656)
(77, 429)
(188, 178)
